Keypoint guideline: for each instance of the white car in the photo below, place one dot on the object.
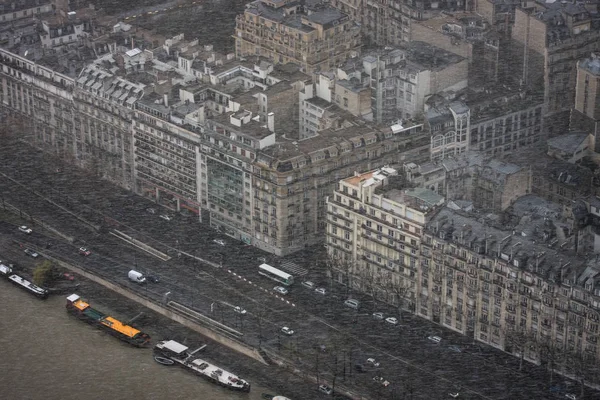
(219, 242)
(308, 284)
(373, 362)
(239, 310)
(166, 217)
(454, 395)
(287, 331)
(325, 389)
(570, 396)
(25, 229)
(31, 253)
(392, 320)
(434, 339)
(378, 315)
(280, 289)
(321, 290)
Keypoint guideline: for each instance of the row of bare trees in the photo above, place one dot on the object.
(379, 284)
(553, 356)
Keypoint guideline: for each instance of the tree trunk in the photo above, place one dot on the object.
(521, 360)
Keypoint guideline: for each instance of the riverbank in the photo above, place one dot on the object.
(51, 355)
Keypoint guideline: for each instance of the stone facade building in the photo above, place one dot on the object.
(309, 34)
(511, 280)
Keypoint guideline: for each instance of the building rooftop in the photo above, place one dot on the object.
(318, 13)
(429, 57)
(532, 238)
(568, 143)
(12, 6)
(591, 64)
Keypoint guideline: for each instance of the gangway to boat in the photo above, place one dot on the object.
(203, 318)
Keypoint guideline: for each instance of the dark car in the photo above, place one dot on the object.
(152, 278)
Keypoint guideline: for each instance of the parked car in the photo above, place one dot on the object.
(280, 290)
(153, 278)
(378, 315)
(84, 252)
(239, 310)
(570, 396)
(287, 331)
(219, 242)
(352, 303)
(381, 381)
(31, 253)
(308, 284)
(325, 389)
(166, 217)
(321, 290)
(373, 362)
(454, 395)
(392, 320)
(434, 339)
(25, 229)
(67, 276)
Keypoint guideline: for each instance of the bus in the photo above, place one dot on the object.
(275, 274)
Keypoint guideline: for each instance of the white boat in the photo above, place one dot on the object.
(23, 283)
(180, 355)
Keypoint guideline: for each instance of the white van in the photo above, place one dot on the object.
(136, 277)
(352, 303)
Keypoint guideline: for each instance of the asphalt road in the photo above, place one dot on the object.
(416, 367)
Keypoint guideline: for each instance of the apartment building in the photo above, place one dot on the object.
(41, 98)
(374, 227)
(488, 185)
(21, 9)
(516, 284)
(549, 38)
(500, 122)
(310, 34)
(512, 280)
(391, 23)
(403, 79)
(66, 27)
(449, 127)
(103, 111)
(586, 113)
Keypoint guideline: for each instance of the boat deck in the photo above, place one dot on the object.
(215, 372)
(26, 284)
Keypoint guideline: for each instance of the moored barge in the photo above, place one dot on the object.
(126, 333)
(180, 355)
(23, 283)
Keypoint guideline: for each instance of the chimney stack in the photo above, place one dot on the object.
(271, 122)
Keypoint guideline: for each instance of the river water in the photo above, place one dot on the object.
(47, 354)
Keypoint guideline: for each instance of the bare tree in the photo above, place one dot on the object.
(260, 314)
(367, 280)
(340, 265)
(519, 341)
(550, 355)
(398, 288)
(583, 367)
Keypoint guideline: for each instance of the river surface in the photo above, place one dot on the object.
(47, 354)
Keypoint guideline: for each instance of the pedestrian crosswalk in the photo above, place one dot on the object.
(293, 268)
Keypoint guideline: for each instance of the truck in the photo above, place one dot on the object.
(136, 277)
